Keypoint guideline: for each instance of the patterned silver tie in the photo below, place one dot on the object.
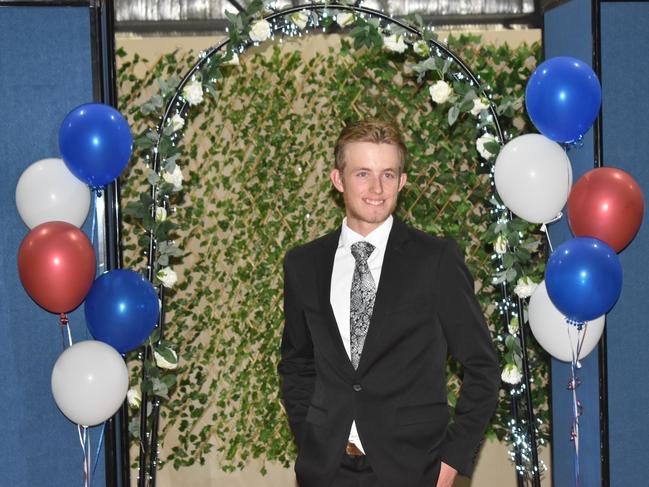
(361, 298)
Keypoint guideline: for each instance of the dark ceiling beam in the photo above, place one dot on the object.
(532, 19)
(172, 26)
(549, 4)
(236, 5)
(194, 27)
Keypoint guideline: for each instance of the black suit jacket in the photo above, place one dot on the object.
(425, 308)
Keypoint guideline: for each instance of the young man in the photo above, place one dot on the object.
(371, 311)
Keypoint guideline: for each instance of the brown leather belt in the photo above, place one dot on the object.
(353, 451)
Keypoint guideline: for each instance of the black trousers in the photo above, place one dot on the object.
(355, 472)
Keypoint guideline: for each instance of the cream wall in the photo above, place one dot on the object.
(493, 469)
(153, 47)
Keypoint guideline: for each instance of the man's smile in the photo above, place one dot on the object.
(373, 202)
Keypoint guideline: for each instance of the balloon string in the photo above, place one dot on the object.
(581, 332)
(63, 337)
(80, 435)
(578, 143)
(83, 433)
(576, 348)
(575, 425)
(65, 327)
(88, 455)
(544, 228)
(93, 210)
(101, 442)
(576, 405)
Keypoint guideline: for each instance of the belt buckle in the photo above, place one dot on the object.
(352, 450)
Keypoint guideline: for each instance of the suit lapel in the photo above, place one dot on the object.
(392, 278)
(324, 263)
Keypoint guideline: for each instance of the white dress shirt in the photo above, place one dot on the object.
(341, 282)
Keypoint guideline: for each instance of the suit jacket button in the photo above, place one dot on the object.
(357, 387)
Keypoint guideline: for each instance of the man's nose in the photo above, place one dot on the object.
(377, 185)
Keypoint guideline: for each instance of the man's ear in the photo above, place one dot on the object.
(337, 179)
(402, 180)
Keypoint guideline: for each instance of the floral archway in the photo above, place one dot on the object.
(210, 370)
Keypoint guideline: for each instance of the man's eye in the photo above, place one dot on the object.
(389, 175)
(362, 174)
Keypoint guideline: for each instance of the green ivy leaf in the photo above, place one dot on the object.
(155, 335)
(159, 388)
(493, 147)
(453, 113)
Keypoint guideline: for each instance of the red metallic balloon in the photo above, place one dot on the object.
(56, 263)
(606, 203)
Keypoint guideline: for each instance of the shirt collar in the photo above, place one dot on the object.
(377, 237)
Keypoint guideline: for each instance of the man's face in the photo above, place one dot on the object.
(370, 183)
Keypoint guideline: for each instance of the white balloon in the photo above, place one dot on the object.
(89, 382)
(48, 191)
(557, 337)
(533, 177)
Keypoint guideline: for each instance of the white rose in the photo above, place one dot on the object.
(344, 19)
(163, 363)
(160, 214)
(260, 31)
(167, 276)
(479, 104)
(300, 19)
(193, 92)
(234, 60)
(440, 92)
(395, 43)
(500, 245)
(480, 145)
(511, 374)
(525, 287)
(421, 48)
(134, 397)
(175, 178)
(177, 122)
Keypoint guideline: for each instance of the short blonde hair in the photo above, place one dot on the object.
(369, 130)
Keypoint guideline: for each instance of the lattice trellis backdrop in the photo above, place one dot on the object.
(259, 154)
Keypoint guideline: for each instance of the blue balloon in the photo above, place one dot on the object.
(121, 309)
(563, 97)
(96, 143)
(583, 278)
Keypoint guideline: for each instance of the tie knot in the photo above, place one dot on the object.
(361, 251)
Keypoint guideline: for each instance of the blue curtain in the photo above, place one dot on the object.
(625, 104)
(567, 32)
(45, 71)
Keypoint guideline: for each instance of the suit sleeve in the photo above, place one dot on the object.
(296, 366)
(470, 342)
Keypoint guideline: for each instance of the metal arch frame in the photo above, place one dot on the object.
(149, 441)
(108, 212)
(363, 10)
